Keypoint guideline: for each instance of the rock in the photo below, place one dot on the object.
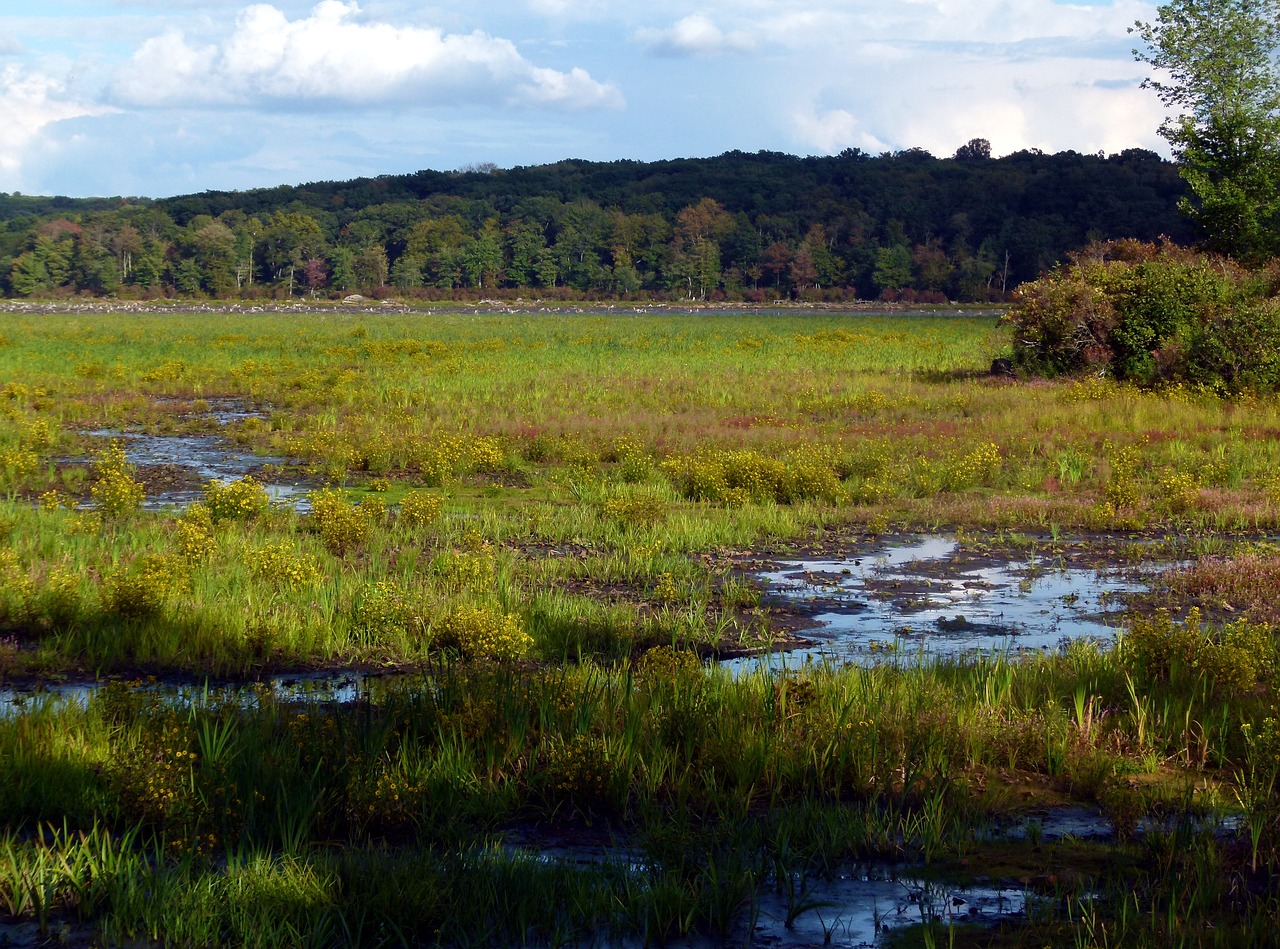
(354, 299)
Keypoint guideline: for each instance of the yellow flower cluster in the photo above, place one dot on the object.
(381, 609)
(637, 511)
(18, 464)
(168, 371)
(1179, 491)
(143, 588)
(667, 664)
(60, 596)
(465, 570)
(420, 508)
(341, 524)
(115, 492)
(195, 534)
(438, 458)
(579, 768)
(979, 466)
(666, 589)
(284, 565)
(240, 500)
(733, 477)
(37, 435)
(1091, 389)
(486, 634)
(486, 453)
(1122, 487)
(15, 587)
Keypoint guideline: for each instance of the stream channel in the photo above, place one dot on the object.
(191, 461)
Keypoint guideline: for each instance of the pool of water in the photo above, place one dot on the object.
(205, 458)
(927, 597)
(322, 687)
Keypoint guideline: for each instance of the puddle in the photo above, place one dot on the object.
(859, 908)
(185, 463)
(927, 598)
(856, 908)
(318, 687)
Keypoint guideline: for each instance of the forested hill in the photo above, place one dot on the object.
(754, 226)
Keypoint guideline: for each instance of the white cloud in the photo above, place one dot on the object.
(833, 130)
(1052, 104)
(696, 35)
(330, 57)
(29, 104)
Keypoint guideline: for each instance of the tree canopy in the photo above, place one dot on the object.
(1217, 74)
(901, 226)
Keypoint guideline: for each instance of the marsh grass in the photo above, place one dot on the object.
(541, 517)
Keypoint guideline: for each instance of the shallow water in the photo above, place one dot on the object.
(856, 908)
(207, 457)
(322, 687)
(920, 598)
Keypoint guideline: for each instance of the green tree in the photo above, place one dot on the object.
(1218, 76)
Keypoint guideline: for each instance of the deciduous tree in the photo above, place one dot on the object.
(1217, 73)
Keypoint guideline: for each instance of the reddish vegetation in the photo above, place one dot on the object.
(1245, 585)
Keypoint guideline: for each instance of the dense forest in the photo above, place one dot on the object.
(900, 226)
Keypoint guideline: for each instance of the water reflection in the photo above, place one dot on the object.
(924, 597)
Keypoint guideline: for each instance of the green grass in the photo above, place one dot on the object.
(540, 518)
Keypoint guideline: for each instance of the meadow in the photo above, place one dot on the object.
(544, 526)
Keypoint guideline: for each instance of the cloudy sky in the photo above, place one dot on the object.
(162, 97)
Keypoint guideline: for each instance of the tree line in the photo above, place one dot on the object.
(904, 225)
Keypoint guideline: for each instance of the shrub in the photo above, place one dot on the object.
(283, 565)
(381, 609)
(341, 524)
(1150, 313)
(480, 633)
(115, 492)
(17, 465)
(143, 589)
(733, 477)
(1232, 660)
(641, 510)
(16, 589)
(420, 508)
(464, 570)
(195, 534)
(240, 500)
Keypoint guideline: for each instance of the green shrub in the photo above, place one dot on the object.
(341, 524)
(734, 477)
(1232, 660)
(283, 565)
(143, 588)
(1150, 313)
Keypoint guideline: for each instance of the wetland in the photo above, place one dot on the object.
(476, 628)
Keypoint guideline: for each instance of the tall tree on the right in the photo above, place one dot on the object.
(1217, 74)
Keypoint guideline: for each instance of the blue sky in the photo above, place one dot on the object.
(161, 97)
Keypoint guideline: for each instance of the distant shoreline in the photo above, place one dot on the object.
(516, 307)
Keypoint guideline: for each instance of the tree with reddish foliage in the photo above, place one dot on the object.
(315, 275)
(777, 261)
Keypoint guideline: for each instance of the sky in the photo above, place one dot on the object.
(162, 97)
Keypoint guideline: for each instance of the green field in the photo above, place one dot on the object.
(543, 524)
